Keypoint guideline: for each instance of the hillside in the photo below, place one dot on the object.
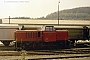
(81, 13)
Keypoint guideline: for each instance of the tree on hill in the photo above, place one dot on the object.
(82, 13)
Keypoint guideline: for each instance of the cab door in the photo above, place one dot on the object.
(49, 36)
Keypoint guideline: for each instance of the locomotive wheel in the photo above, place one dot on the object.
(50, 46)
(35, 45)
(41, 45)
(23, 47)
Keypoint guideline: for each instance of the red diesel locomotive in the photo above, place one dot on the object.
(37, 39)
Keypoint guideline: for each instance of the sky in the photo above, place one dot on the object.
(37, 8)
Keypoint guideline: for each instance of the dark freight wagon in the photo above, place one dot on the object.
(76, 32)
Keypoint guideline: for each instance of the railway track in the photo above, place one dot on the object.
(46, 54)
(67, 51)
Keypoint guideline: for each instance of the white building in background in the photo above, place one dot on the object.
(0, 21)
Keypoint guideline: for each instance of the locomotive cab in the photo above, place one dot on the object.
(48, 28)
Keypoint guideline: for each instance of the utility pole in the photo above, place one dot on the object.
(58, 12)
(9, 19)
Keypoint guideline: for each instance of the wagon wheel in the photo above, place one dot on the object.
(6, 43)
